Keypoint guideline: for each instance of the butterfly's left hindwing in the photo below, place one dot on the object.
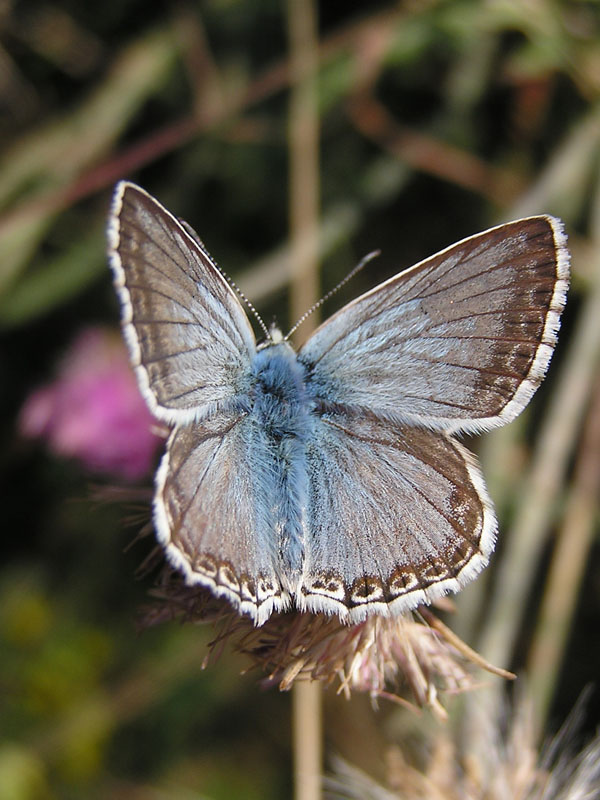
(213, 512)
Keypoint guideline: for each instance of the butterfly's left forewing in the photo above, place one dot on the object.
(189, 339)
(396, 516)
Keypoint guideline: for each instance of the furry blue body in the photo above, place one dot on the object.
(280, 416)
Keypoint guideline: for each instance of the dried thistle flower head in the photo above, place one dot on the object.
(410, 659)
(512, 769)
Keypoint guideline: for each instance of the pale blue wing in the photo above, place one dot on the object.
(458, 342)
(396, 516)
(213, 512)
(190, 341)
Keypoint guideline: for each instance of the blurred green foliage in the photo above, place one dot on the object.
(437, 119)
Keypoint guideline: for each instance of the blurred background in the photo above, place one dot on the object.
(401, 126)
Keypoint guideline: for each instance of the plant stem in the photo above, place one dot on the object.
(303, 140)
(307, 735)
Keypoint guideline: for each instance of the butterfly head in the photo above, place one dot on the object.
(275, 334)
(274, 337)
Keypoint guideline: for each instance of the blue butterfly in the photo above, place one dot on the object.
(330, 480)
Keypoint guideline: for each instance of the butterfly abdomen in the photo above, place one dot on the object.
(280, 410)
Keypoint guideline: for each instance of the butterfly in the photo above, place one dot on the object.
(331, 479)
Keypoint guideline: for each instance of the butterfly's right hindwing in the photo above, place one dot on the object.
(190, 341)
(396, 516)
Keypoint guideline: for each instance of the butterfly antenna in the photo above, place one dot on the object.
(362, 263)
(245, 300)
(232, 283)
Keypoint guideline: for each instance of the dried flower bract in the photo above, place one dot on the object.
(409, 659)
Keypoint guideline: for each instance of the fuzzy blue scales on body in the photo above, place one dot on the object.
(280, 411)
(331, 480)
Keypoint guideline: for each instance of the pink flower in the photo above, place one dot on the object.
(94, 411)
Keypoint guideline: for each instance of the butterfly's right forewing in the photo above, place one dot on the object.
(459, 342)
(190, 341)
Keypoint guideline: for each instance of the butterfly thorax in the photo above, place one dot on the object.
(280, 411)
(279, 395)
